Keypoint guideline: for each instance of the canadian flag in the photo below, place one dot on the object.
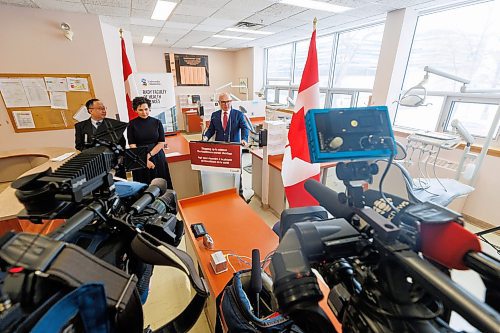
(296, 161)
(128, 79)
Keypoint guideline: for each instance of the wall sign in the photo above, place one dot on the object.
(188, 69)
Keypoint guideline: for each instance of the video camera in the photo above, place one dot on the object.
(387, 269)
(111, 234)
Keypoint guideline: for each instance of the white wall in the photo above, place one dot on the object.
(32, 42)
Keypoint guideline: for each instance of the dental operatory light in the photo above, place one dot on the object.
(416, 95)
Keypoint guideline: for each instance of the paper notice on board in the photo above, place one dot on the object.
(23, 119)
(56, 83)
(13, 93)
(82, 114)
(58, 100)
(78, 84)
(36, 91)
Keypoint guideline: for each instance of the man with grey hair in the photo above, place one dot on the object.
(227, 124)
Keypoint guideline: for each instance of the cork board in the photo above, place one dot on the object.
(46, 118)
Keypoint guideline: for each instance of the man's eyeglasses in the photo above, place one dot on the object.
(100, 108)
(225, 102)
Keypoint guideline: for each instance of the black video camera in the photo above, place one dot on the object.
(111, 234)
(378, 280)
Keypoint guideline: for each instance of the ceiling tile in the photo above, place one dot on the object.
(205, 3)
(20, 3)
(108, 11)
(147, 22)
(61, 5)
(185, 18)
(109, 3)
(144, 4)
(219, 22)
(179, 25)
(141, 13)
(210, 28)
(202, 11)
(164, 38)
(368, 10)
(353, 3)
(144, 30)
(309, 15)
(238, 15)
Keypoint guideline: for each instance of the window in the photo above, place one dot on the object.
(282, 96)
(357, 57)
(422, 117)
(279, 62)
(341, 101)
(363, 99)
(461, 41)
(476, 118)
(270, 95)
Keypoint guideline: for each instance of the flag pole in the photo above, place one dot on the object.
(314, 23)
(121, 33)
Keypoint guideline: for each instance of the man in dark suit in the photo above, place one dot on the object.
(85, 130)
(227, 124)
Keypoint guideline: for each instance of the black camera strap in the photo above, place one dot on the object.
(152, 251)
(73, 266)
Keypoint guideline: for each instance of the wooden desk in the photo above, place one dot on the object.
(186, 182)
(235, 228)
(277, 197)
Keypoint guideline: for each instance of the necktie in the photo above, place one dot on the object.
(94, 128)
(224, 121)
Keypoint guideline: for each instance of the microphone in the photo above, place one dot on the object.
(448, 243)
(328, 199)
(464, 133)
(157, 187)
(256, 279)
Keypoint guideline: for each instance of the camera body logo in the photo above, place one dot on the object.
(144, 82)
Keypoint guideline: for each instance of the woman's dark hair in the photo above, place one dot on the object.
(138, 101)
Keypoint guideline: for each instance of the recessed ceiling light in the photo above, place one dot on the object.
(162, 10)
(318, 5)
(209, 47)
(148, 39)
(233, 37)
(248, 31)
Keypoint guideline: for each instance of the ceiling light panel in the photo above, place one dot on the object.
(318, 5)
(148, 39)
(162, 10)
(249, 31)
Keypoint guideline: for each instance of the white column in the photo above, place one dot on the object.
(396, 44)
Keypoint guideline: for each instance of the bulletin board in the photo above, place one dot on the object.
(46, 117)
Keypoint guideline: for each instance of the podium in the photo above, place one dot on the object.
(219, 164)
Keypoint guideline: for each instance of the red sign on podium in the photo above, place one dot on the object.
(215, 156)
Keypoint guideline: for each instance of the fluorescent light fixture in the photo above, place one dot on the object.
(162, 10)
(318, 5)
(148, 39)
(248, 31)
(209, 47)
(233, 37)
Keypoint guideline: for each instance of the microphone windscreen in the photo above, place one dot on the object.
(328, 199)
(161, 184)
(447, 243)
(256, 277)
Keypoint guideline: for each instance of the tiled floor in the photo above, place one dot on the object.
(170, 290)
